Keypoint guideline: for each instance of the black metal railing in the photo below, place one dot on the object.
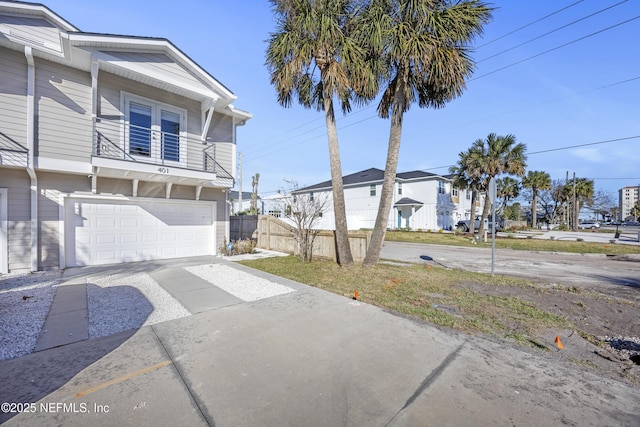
(116, 140)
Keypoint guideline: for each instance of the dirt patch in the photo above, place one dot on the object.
(605, 324)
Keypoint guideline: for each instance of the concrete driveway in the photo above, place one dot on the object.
(304, 358)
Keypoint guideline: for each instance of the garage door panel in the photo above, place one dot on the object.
(105, 232)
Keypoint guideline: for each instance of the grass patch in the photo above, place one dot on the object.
(542, 245)
(449, 298)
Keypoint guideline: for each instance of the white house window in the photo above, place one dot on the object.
(399, 189)
(454, 192)
(468, 195)
(154, 131)
(311, 196)
(441, 187)
(372, 190)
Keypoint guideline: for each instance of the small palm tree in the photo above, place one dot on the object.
(508, 189)
(583, 194)
(420, 51)
(498, 155)
(468, 174)
(536, 181)
(313, 56)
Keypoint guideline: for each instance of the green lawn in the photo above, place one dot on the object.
(544, 245)
(474, 303)
(461, 300)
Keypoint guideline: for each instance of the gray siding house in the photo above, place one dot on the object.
(112, 148)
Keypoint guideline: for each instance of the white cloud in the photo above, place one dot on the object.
(590, 154)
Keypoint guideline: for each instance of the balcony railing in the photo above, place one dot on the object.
(116, 140)
(12, 153)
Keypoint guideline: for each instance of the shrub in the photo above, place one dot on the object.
(246, 246)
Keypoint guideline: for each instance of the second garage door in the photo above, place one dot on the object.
(113, 231)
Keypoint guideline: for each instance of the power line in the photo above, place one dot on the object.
(490, 73)
(568, 147)
(585, 145)
(529, 24)
(556, 48)
(319, 118)
(552, 31)
(371, 106)
(476, 78)
(509, 112)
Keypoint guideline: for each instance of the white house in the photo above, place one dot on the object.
(421, 201)
(112, 148)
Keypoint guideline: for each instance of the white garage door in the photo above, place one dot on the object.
(107, 231)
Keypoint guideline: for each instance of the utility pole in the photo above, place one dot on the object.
(575, 207)
(239, 182)
(566, 205)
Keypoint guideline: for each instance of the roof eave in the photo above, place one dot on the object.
(110, 41)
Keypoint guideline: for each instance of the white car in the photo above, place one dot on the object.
(589, 224)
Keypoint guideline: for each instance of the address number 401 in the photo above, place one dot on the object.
(163, 170)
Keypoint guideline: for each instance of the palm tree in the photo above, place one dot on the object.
(467, 174)
(420, 51)
(583, 194)
(313, 56)
(508, 189)
(498, 155)
(635, 210)
(536, 181)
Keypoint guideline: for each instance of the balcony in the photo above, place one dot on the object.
(119, 146)
(12, 153)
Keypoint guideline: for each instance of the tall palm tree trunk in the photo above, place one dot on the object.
(343, 248)
(534, 209)
(472, 220)
(391, 166)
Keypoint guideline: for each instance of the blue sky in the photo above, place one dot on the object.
(549, 86)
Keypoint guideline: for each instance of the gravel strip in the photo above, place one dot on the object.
(242, 285)
(25, 300)
(123, 302)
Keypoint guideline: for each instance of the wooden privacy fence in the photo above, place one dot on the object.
(242, 226)
(277, 235)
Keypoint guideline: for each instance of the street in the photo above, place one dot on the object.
(562, 268)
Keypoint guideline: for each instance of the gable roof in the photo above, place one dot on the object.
(406, 201)
(370, 176)
(416, 175)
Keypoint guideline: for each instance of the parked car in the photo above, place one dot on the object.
(464, 225)
(631, 223)
(589, 224)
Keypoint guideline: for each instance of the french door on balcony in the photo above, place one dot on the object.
(154, 131)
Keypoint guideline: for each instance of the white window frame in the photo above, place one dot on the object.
(156, 111)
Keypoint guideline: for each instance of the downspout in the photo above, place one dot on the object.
(31, 114)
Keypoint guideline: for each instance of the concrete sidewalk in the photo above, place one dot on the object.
(68, 317)
(307, 358)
